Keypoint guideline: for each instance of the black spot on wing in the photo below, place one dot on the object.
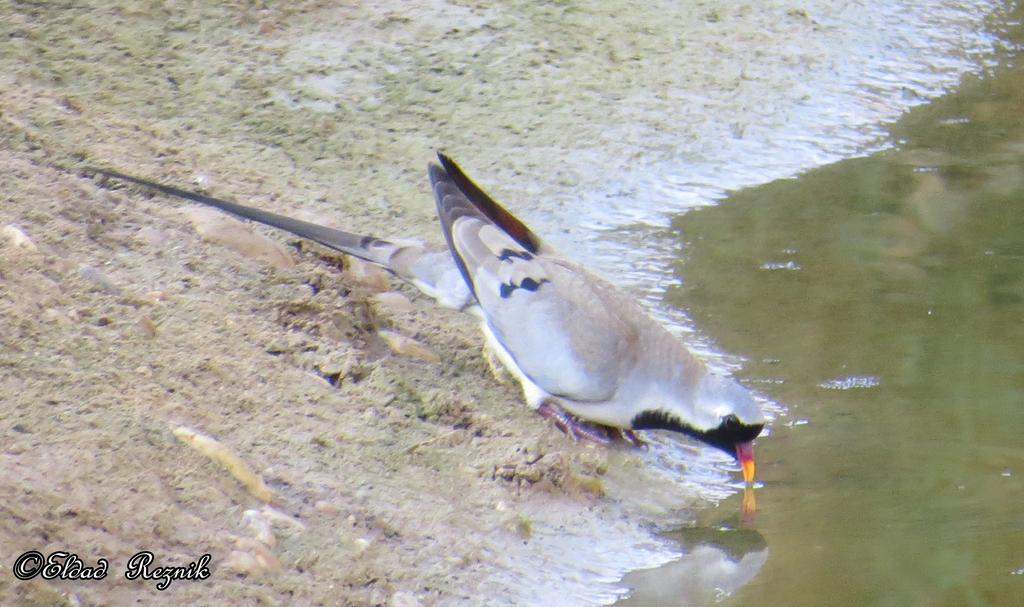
(527, 284)
(530, 284)
(367, 241)
(509, 255)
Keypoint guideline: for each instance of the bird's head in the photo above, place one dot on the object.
(719, 412)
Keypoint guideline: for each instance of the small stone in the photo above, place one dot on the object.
(529, 474)
(17, 238)
(250, 557)
(327, 507)
(56, 316)
(214, 226)
(337, 366)
(407, 346)
(242, 562)
(367, 274)
(260, 527)
(280, 519)
(393, 300)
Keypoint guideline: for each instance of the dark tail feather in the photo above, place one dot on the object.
(488, 206)
(364, 247)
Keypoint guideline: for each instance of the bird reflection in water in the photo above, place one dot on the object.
(715, 563)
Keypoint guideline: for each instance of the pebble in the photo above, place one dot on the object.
(260, 527)
(393, 300)
(367, 274)
(326, 507)
(250, 557)
(335, 365)
(17, 238)
(407, 346)
(280, 519)
(56, 316)
(214, 226)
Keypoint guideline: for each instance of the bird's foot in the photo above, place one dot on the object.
(635, 439)
(621, 435)
(579, 429)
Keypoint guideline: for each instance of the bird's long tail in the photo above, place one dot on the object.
(365, 247)
(433, 272)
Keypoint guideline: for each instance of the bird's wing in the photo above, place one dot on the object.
(567, 330)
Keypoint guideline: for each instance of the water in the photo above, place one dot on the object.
(882, 300)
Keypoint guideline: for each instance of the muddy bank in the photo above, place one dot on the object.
(393, 478)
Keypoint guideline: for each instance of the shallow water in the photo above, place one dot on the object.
(882, 300)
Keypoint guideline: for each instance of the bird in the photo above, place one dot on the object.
(586, 354)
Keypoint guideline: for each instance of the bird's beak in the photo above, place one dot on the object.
(745, 454)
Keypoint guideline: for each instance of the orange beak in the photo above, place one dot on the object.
(745, 454)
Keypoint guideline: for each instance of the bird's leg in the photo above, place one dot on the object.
(615, 434)
(577, 428)
(570, 425)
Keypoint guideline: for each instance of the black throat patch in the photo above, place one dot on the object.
(725, 436)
